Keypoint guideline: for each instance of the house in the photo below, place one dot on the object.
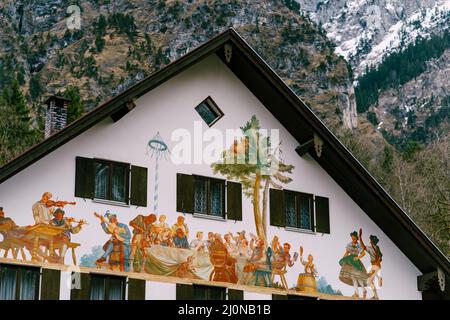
(177, 188)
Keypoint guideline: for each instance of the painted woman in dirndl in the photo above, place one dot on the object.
(353, 271)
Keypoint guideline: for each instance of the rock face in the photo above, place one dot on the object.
(365, 31)
(120, 42)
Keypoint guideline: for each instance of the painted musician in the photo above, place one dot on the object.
(117, 248)
(44, 208)
(64, 238)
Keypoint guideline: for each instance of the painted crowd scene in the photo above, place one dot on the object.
(150, 243)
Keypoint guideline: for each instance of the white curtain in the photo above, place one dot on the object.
(28, 284)
(115, 289)
(97, 288)
(8, 280)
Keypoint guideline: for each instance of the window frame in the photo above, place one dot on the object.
(111, 164)
(208, 213)
(106, 283)
(297, 198)
(19, 276)
(214, 107)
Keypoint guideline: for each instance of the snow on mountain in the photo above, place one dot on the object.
(366, 30)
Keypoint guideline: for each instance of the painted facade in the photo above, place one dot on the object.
(355, 258)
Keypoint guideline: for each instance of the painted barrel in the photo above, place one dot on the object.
(306, 283)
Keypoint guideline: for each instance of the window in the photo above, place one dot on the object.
(19, 283)
(198, 292)
(209, 111)
(209, 196)
(299, 210)
(111, 180)
(107, 288)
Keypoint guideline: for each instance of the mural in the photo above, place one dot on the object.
(353, 271)
(48, 239)
(151, 244)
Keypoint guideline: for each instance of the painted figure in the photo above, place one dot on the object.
(117, 248)
(224, 264)
(307, 280)
(44, 208)
(12, 235)
(198, 244)
(186, 269)
(375, 260)
(353, 271)
(275, 245)
(281, 260)
(180, 239)
(63, 240)
(162, 224)
(231, 246)
(181, 225)
(141, 239)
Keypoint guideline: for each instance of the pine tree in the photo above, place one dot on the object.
(76, 108)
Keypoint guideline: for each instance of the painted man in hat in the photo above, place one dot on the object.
(142, 228)
(63, 239)
(120, 235)
(375, 259)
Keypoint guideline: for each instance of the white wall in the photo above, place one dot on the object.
(257, 296)
(160, 291)
(169, 107)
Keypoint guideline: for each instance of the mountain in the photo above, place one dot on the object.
(121, 42)
(399, 53)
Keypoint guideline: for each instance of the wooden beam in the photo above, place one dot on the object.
(426, 281)
(305, 147)
(127, 107)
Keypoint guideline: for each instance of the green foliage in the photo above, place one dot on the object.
(35, 87)
(372, 117)
(76, 107)
(16, 133)
(398, 68)
(292, 5)
(123, 24)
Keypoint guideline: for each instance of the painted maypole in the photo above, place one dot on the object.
(158, 149)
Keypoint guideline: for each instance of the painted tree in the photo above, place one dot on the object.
(254, 162)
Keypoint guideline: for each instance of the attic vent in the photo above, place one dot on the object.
(209, 111)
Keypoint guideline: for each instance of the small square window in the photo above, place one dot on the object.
(209, 111)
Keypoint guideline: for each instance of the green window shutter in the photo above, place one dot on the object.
(136, 289)
(185, 292)
(84, 290)
(322, 215)
(234, 201)
(138, 194)
(277, 211)
(234, 294)
(50, 284)
(84, 178)
(185, 193)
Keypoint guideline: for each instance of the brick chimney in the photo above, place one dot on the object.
(55, 114)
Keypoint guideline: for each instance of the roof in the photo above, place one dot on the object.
(293, 114)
